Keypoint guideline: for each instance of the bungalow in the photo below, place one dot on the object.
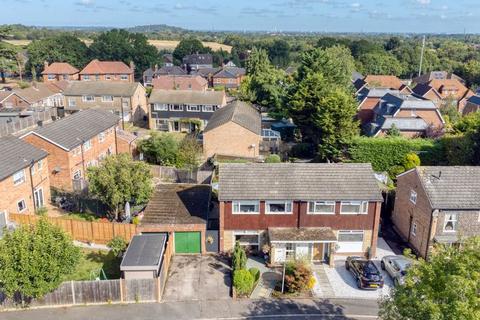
(58, 71)
(97, 70)
(183, 110)
(313, 211)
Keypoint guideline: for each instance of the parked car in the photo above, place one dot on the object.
(365, 273)
(396, 267)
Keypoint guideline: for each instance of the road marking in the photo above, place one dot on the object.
(359, 316)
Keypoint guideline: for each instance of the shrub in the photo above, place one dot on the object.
(243, 282)
(255, 272)
(117, 244)
(273, 158)
(239, 258)
(411, 161)
(297, 276)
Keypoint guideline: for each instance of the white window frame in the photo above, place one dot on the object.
(17, 181)
(39, 190)
(347, 232)
(247, 233)
(51, 76)
(454, 222)
(160, 107)
(292, 251)
(414, 229)
(86, 77)
(107, 98)
(40, 164)
(124, 77)
(190, 108)
(173, 106)
(24, 205)
(87, 145)
(87, 99)
(72, 102)
(413, 197)
(208, 108)
(239, 203)
(326, 203)
(77, 173)
(286, 203)
(363, 206)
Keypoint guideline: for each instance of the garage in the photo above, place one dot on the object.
(350, 241)
(187, 242)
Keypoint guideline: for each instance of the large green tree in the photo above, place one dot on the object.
(119, 179)
(379, 63)
(160, 148)
(446, 287)
(189, 45)
(34, 259)
(121, 45)
(61, 48)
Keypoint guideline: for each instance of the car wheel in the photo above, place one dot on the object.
(382, 264)
(359, 284)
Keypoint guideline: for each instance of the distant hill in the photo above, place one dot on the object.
(156, 28)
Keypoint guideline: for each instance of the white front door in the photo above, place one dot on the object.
(38, 195)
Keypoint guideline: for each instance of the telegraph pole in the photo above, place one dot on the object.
(421, 57)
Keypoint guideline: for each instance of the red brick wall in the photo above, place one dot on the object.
(102, 77)
(365, 113)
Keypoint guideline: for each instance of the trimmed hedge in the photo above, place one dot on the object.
(385, 153)
(255, 272)
(243, 281)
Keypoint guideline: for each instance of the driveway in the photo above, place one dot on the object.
(197, 277)
(337, 282)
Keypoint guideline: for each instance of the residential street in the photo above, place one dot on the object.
(224, 309)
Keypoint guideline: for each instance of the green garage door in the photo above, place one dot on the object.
(187, 242)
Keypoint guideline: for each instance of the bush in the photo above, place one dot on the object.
(243, 282)
(411, 161)
(273, 158)
(239, 257)
(255, 273)
(297, 276)
(303, 150)
(117, 244)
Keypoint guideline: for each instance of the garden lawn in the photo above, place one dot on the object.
(82, 216)
(92, 261)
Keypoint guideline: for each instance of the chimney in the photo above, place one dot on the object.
(156, 68)
(132, 66)
(45, 65)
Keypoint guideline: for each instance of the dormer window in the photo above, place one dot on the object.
(450, 223)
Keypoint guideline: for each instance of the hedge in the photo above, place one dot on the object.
(385, 153)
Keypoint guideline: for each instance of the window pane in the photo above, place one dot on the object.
(350, 207)
(276, 207)
(248, 208)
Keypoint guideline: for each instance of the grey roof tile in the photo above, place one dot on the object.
(144, 252)
(187, 97)
(238, 112)
(99, 88)
(301, 234)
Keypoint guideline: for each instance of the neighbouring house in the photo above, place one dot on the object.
(97, 70)
(24, 178)
(126, 99)
(152, 73)
(168, 60)
(314, 211)
(229, 77)
(183, 110)
(144, 257)
(42, 95)
(234, 130)
(181, 210)
(11, 99)
(368, 99)
(444, 91)
(207, 74)
(437, 205)
(472, 105)
(194, 62)
(75, 143)
(381, 81)
(184, 82)
(411, 115)
(436, 75)
(58, 71)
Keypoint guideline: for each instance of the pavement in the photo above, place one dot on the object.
(195, 277)
(335, 309)
(337, 282)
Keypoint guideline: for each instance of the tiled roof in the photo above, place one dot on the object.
(99, 88)
(230, 72)
(178, 204)
(16, 154)
(173, 70)
(106, 67)
(77, 128)
(60, 68)
(406, 124)
(450, 84)
(451, 187)
(297, 181)
(183, 82)
(238, 112)
(38, 91)
(205, 72)
(203, 58)
(383, 81)
(391, 103)
(301, 234)
(473, 99)
(187, 97)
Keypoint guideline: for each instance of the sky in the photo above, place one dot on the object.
(399, 16)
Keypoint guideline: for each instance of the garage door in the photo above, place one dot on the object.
(350, 241)
(187, 242)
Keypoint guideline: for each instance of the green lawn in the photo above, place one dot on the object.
(92, 261)
(82, 216)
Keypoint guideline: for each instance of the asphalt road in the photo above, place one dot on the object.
(217, 309)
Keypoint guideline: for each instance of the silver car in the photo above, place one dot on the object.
(396, 267)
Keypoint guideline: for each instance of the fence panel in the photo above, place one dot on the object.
(140, 290)
(100, 291)
(30, 122)
(63, 295)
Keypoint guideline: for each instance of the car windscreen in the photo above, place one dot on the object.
(370, 268)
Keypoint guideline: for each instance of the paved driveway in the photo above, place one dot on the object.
(195, 277)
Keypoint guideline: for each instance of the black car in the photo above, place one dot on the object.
(365, 272)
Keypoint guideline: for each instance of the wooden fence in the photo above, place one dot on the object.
(167, 257)
(171, 174)
(88, 231)
(30, 122)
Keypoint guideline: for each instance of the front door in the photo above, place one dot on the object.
(318, 252)
(38, 195)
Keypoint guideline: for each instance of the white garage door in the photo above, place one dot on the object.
(350, 241)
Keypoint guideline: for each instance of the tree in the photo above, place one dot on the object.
(411, 161)
(444, 288)
(470, 71)
(60, 48)
(34, 260)
(119, 179)
(279, 52)
(188, 155)
(121, 45)
(239, 257)
(190, 45)
(7, 60)
(160, 149)
(393, 131)
(379, 63)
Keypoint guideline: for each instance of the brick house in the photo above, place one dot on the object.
(436, 75)
(409, 114)
(58, 71)
(234, 130)
(368, 99)
(443, 91)
(183, 110)
(97, 70)
(183, 82)
(301, 210)
(181, 210)
(152, 73)
(11, 99)
(437, 204)
(127, 99)
(194, 62)
(24, 179)
(73, 144)
(229, 77)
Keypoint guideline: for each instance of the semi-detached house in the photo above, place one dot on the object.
(314, 211)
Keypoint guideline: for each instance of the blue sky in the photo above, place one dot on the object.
(437, 16)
